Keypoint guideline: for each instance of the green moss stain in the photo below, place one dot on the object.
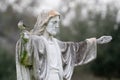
(25, 60)
(23, 56)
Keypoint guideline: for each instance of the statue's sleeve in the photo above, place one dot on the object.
(27, 54)
(78, 53)
(28, 48)
(24, 48)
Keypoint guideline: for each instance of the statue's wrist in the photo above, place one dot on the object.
(98, 41)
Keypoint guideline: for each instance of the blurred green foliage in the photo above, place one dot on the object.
(107, 64)
(7, 65)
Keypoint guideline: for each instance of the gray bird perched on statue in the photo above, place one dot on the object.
(21, 26)
(24, 33)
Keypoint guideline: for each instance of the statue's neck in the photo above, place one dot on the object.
(48, 36)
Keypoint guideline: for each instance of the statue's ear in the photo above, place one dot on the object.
(46, 23)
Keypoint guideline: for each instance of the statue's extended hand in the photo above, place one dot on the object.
(104, 39)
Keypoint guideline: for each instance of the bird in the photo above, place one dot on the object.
(21, 25)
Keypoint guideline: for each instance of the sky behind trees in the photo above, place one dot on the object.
(66, 7)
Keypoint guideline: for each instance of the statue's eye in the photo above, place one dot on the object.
(54, 22)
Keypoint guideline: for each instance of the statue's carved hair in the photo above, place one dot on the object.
(43, 19)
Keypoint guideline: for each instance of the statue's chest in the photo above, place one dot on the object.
(53, 54)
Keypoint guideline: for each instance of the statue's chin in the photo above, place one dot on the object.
(53, 33)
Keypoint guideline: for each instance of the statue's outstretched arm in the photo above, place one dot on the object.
(104, 39)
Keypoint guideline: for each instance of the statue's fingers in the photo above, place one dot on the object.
(108, 39)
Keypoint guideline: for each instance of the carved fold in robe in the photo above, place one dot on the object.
(32, 57)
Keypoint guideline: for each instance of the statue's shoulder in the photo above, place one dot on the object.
(58, 41)
(36, 37)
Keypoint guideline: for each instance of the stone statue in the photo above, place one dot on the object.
(40, 56)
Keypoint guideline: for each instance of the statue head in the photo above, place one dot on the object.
(53, 26)
(47, 20)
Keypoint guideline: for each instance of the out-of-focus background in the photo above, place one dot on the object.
(80, 19)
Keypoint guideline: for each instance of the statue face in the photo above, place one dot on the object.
(53, 25)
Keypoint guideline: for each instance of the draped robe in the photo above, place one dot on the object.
(32, 57)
